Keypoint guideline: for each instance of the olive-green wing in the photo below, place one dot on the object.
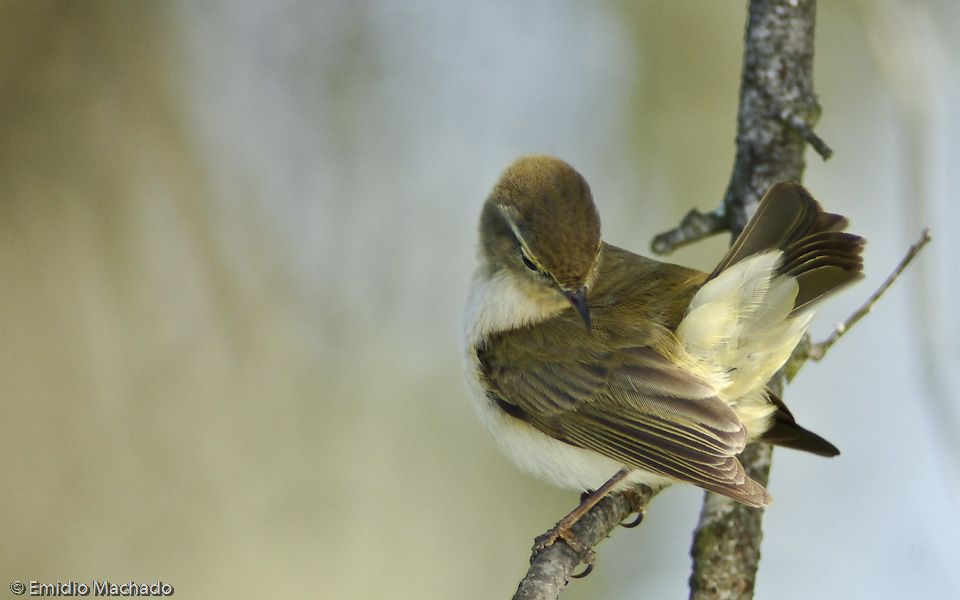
(630, 404)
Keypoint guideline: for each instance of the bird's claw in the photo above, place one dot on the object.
(636, 521)
(563, 532)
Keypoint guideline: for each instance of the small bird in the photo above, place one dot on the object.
(585, 360)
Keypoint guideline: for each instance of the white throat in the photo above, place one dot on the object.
(504, 301)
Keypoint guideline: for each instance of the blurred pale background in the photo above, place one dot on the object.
(235, 239)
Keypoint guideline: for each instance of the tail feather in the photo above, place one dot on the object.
(837, 248)
(791, 435)
(816, 251)
(784, 431)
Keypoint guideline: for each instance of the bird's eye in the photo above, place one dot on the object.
(529, 263)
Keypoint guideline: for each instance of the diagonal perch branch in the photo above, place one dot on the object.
(551, 568)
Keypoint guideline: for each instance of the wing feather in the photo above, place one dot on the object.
(630, 404)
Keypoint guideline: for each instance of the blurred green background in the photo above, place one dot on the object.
(235, 239)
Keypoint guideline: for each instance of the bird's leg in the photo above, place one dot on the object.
(562, 529)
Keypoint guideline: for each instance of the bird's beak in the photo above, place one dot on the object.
(578, 299)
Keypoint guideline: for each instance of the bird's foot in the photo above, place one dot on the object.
(562, 531)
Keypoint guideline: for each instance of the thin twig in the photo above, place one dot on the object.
(819, 350)
(801, 122)
(808, 350)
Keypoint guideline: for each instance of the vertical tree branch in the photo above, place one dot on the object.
(776, 115)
